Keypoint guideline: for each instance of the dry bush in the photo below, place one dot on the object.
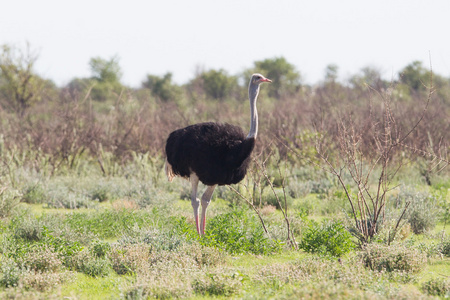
(44, 281)
(393, 258)
(129, 259)
(42, 259)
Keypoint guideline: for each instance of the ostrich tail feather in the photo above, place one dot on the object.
(169, 171)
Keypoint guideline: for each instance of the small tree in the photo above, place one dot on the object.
(218, 84)
(106, 75)
(162, 87)
(19, 84)
(105, 70)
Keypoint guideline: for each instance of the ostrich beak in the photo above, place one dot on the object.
(266, 80)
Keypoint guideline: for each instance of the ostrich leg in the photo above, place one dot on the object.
(194, 201)
(206, 198)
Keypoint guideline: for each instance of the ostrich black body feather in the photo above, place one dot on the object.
(217, 153)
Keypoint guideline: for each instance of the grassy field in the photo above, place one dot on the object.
(81, 235)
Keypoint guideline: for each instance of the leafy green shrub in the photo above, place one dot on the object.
(437, 287)
(445, 248)
(327, 238)
(64, 247)
(393, 258)
(100, 249)
(234, 232)
(10, 272)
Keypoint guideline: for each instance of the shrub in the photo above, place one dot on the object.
(10, 272)
(41, 259)
(437, 287)
(327, 238)
(100, 249)
(204, 256)
(129, 259)
(101, 193)
(391, 258)
(93, 266)
(238, 232)
(70, 200)
(218, 284)
(445, 248)
(27, 228)
(43, 281)
(9, 199)
(163, 241)
(34, 193)
(423, 211)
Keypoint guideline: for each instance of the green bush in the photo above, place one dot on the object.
(218, 284)
(9, 199)
(423, 211)
(99, 249)
(444, 248)
(238, 232)
(328, 238)
(101, 194)
(34, 193)
(27, 228)
(392, 258)
(437, 287)
(235, 232)
(10, 272)
(90, 265)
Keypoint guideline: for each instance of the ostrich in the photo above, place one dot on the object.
(213, 153)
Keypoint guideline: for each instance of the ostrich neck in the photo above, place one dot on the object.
(253, 91)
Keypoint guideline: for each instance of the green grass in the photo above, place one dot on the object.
(141, 242)
(86, 287)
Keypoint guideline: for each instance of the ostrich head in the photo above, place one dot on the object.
(253, 87)
(258, 78)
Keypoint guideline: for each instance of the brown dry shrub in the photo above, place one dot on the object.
(392, 258)
(44, 281)
(42, 259)
(129, 259)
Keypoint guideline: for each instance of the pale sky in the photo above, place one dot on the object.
(155, 37)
